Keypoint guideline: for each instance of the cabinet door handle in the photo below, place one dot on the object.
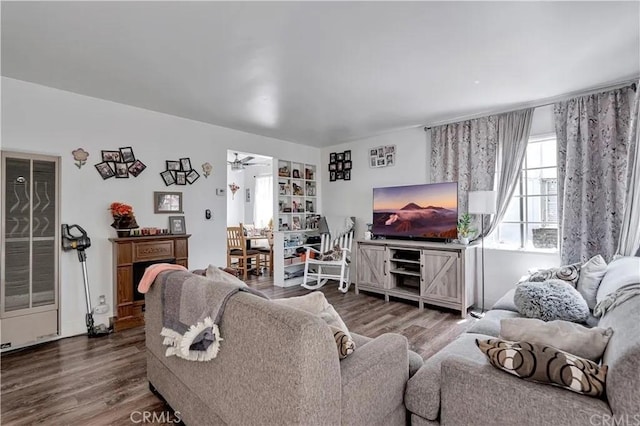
(384, 268)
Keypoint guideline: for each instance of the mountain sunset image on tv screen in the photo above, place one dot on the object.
(427, 211)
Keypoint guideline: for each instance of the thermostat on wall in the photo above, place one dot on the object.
(220, 191)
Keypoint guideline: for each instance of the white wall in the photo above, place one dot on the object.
(49, 121)
(354, 198)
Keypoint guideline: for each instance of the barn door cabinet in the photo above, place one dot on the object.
(438, 274)
(30, 249)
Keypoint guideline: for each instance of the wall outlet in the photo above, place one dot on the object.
(221, 191)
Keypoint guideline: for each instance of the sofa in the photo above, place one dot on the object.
(458, 385)
(278, 366)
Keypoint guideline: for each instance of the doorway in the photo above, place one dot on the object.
(250, 189)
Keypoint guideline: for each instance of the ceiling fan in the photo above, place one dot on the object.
(239, 164)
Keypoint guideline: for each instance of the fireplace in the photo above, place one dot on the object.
(131, 256)
(138, 272)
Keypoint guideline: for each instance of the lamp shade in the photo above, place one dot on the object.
(482, 202)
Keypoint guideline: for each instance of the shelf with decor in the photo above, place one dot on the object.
(297, 219)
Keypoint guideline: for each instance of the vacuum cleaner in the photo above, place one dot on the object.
(81, 243)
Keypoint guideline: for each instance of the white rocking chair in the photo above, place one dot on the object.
(313, 268)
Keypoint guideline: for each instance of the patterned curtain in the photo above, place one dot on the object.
(469, 151)
(594, 152)
(465, 152)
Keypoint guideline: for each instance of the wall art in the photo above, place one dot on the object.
(382, 156)
(207, 168)
(339, 164)
(80, 157)
(118, 163)
(179, 172)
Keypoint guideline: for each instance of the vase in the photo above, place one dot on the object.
(122, 233)
(464, 240)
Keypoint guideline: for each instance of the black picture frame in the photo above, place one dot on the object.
(173, 165)
(181, 178)
(339, 166)
(136, 168)
(332, 176)
(122, 170)
(340, 156)
(339, 175)
(177, 225)
(113, 156)
(332, 157)
(332, 167)
(192, 176)
(185, 164)
(296, 174)
(168, 177)
(347, 164)
(126, 155)
(347, 155)
(347, 175)
(105, 170)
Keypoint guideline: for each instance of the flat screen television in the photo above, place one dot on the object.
(421, 212)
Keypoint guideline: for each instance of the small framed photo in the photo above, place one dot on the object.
(185, 164)
(332, 167)
(390, 149)
(296, 174)
(373, 162)
(332, 157)
(340, 165)
(382, 162)
(347, 175)
(167, 202)
(173, 165)
(389, 159)
(332, 176)
(122, 170)
(181, 178)
(126, 155)
(192, 176)
(381, 152)
(136, 168)
(339, 175)
(373, 152)
(347, 155)
(340, 156)
(168, 177)
(347, 164)
(177, 225)
(113, 156)
(105, 170)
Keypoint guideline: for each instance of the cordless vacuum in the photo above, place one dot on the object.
(81, 243)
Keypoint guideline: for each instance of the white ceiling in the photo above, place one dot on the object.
(320, 73)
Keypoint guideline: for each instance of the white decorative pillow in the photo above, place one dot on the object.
(591, 274)
(216, 274)
(589, 343)
(315, 303)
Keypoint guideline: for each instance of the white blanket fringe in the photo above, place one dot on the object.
(179, 344)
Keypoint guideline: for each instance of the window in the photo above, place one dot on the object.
(263, 205)
(531, 220)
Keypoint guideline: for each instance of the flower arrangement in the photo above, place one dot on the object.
(123, 217)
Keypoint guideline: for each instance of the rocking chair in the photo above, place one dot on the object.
(314, 267)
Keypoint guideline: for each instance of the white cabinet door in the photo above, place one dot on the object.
(372, 266)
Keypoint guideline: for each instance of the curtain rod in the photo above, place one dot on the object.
(541, 102)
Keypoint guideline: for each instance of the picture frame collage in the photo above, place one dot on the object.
(382, 156)
(120, 164)
(179, 172)
(340, 166)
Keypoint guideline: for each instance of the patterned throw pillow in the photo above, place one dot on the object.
(545, 364)
(331, 255)
(345, 345)
(568, 273)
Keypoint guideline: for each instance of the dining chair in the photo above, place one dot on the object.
(237, 249)
(267, 252)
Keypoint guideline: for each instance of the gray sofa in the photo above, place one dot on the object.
(458, 386)
(279, 366)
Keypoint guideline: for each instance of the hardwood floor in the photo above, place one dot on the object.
(82, 381)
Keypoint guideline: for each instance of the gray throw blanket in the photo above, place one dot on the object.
(192, 307)
(616, 298)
